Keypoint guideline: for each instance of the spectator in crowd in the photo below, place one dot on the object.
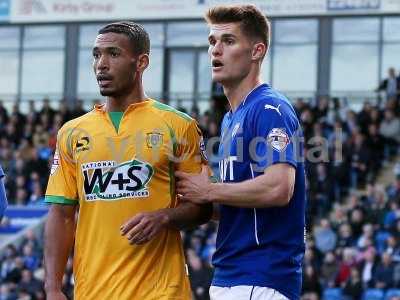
(325, 237)
(361, 155)
(390, 130)
(329, 269)
(390, 85)
(346, 265)
(368, 268)
(30, 284)
(353, 286)
(364, 117)
(375, 141)
(311, 285)
(383, 276)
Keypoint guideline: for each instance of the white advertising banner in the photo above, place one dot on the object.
(92, 10)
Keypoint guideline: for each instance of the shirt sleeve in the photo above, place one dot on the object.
(276, 135)
(62, 185)
(191, 150)
(3, 197)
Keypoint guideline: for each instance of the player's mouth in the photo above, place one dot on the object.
(217, 65)
(104, 80)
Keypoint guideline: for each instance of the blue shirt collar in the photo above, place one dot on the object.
(249, 98)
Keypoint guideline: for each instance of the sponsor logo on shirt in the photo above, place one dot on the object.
(82, 144)
(235, 130)
(267, 106)
(56, 162)
(278, 139)
(226, 168)
(203, 151)
(109, 181)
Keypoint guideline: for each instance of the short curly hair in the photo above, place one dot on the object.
(137, 35)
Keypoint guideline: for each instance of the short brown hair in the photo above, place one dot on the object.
(253, 22)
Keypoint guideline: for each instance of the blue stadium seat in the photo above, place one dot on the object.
(332, 294)
(373, 294)
(391, 293)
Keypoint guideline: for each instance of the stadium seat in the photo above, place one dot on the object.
(332, 294)
(373, 294)
(391, 293)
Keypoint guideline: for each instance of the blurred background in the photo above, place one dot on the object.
(337, 60)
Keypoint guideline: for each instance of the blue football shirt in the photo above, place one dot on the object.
(261, 246)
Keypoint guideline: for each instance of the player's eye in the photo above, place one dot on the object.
(229, 42)
(96, 55)
(211, 42)
(114, 54)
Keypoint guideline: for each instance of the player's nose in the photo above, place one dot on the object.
(103, 63)
(216, 49)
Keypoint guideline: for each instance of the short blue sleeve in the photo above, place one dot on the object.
(276, 134)
(3, 198)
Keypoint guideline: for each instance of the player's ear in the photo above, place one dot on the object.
(259, 50)
(142, 62)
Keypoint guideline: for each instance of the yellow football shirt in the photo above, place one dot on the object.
(113, 175)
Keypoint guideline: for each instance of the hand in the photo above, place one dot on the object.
(194, 187)
(144, 226)
(55, 295)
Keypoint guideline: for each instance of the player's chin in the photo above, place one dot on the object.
(217, 78)
(106, 92)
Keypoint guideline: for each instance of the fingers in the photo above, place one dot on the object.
(142, 228)
(182, 187)
(205, 170)
(130, 224)
(136, 232)
(139, 234)
(146, 237)
(182, 190)
(181, 175)
(180, 184)
(188, 198)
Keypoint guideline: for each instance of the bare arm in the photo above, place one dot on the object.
(188, 215)
(59, 237)
(274, 188)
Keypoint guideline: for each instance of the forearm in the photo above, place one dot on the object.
(267, 190)
(59, 237)
(188, 215)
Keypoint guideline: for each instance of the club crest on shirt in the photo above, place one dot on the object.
(154, 139)
(278, 139)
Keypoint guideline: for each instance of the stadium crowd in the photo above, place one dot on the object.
(353, 223)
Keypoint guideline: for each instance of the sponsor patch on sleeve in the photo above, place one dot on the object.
(278, 139)
(56, 162)
(203, 150)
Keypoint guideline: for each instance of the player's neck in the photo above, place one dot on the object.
(121, 103)
(236, 93)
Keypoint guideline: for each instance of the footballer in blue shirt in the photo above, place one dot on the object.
(261, 196)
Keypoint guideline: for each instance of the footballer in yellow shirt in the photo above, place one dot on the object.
(114, 167)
